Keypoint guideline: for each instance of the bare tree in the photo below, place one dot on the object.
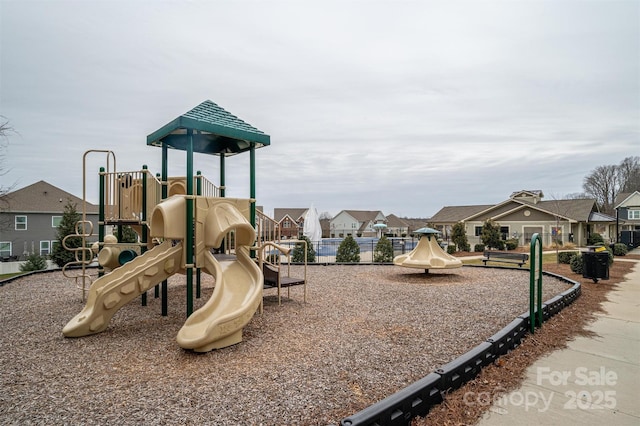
(629, 174)
(5, 130)
(603, 185)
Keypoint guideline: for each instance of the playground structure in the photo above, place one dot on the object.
(180, 221)
(427, 254)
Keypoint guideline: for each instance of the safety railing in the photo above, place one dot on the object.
(267, 229)
(123, 195)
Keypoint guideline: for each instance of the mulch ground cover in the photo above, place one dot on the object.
(509, 371)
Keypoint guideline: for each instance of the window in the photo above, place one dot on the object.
(478, 231)
(21, 223)
(5, 249)
(45, 248)
(55, 221)
(286, 224)
(504, 232)
(633, 214)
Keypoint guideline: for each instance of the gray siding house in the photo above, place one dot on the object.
(525, 213)
(29, 219)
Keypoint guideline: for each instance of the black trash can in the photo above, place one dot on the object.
(595, 263)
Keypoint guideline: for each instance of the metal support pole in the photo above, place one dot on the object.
(189, 224)
(222, 175)
(143, 236)
(101, 214)
(535, 279)
(198, 269)
(164, 297)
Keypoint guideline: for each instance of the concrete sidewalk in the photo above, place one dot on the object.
(592, 382)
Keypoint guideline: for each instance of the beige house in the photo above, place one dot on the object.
(357, 223)
(525, 213)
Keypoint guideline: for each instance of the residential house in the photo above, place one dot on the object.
(416, 223)
(525, 213)
(290, 220)
(396, 227)
(628, 218)
(357, 223)
(29, 218)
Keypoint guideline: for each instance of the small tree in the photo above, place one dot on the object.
(348, 251)
(459, 237)
(491, 234)
(128, 234)
(67, 226)
(383, 251)
(298, 251)
(34, 262)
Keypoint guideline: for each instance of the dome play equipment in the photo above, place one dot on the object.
(428, 254)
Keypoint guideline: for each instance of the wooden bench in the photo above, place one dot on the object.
(505, 257)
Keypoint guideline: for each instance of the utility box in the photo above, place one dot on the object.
(595, 263)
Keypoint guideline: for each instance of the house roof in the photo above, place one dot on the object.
(574, 209)
(394, 221)
(294, 213)
(363, 215)
(215, 131)
(601, 217)
(455, 214)
(623, 198)
(42, 197)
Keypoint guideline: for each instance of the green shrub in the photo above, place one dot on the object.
(459, 237)
(383, 251)
(348, 251)
(451, 248)
(298, 251)
(595, 239)
(512, 244)
(565, 256)
(478, 247)
(34, 262)
(576, 263)
(490, 235)
(620, 249)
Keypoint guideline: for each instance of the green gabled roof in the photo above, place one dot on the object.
(215, 131)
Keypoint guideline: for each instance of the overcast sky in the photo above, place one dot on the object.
(399, 106)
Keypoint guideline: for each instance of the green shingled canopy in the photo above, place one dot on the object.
(215, 131)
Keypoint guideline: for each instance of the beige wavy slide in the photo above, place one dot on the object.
(239, 282)
(112, 291)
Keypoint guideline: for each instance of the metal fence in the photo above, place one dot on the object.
(327, 249)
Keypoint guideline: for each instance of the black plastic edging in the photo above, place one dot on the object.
(418, 398)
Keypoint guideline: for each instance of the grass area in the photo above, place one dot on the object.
(7, 276)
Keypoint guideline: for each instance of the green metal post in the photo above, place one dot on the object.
(101, 214)
(165, 192)
(252, 184)
(535, 280)
(222, 175)
(143, 237)
(252, 190)
(198, 270)
(189, 224)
